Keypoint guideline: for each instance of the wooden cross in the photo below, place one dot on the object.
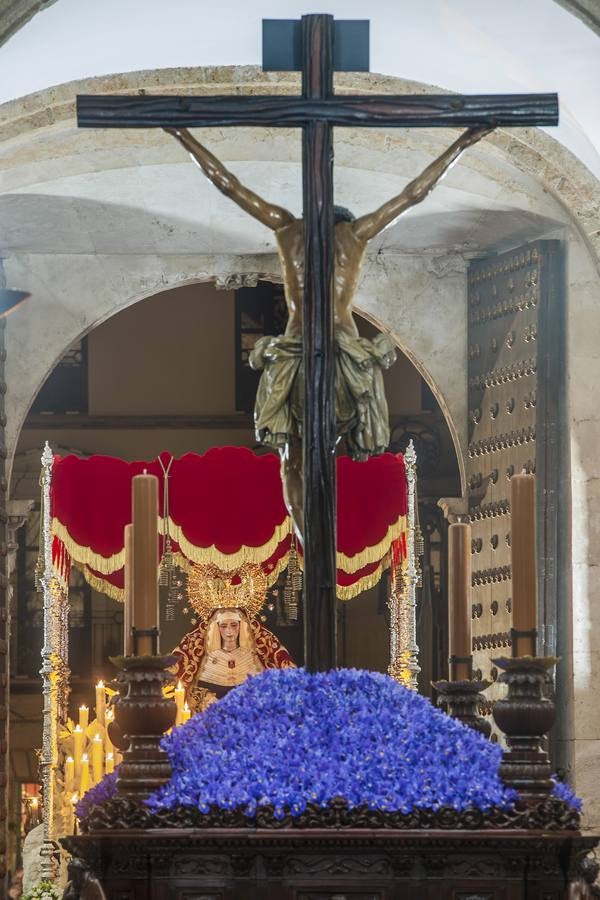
(317, 110)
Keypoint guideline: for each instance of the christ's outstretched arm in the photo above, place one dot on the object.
(272, 216)
(366, 227)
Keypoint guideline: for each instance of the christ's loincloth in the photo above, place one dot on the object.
(360, 405)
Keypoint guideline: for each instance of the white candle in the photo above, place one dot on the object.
(523, 561)
(84, 717)
(100, 702)
(128, 591)
(69, 774)
(145, 558)
(85, 781)
(459, 599)
(78, 739)
(97, 758)
(108, 718)
(180, 701)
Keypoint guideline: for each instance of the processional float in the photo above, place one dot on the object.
(535, 847)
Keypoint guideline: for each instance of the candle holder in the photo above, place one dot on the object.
(143, 715)
(463, 700)
(525, 716)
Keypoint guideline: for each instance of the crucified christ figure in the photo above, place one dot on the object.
(361, 407)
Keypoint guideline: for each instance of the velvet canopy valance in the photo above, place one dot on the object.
(224, 507)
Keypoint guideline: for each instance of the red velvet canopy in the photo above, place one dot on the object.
(225, 507)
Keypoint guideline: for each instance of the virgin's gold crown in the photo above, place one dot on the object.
(210, 588)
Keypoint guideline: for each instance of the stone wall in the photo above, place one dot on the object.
(583, 410)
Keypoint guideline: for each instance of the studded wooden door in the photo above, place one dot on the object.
(514, 370)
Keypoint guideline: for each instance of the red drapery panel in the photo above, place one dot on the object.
(225, 507)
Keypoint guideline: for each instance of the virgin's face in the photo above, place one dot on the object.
(230, 633)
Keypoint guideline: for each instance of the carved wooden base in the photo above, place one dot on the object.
(525, 716)
(143, 715)
(463, 700)
(323, 864)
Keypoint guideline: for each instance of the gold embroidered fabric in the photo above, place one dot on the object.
(229, 667)
(191, 652)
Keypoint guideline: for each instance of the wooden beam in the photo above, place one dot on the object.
(62, 422)
(430, 111)
(319, 592)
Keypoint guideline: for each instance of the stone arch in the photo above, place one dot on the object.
(420, 365)
(39, 124)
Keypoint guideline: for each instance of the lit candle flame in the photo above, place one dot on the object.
(100, 684)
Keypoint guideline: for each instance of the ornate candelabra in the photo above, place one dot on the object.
(49, 754)
(404, 649)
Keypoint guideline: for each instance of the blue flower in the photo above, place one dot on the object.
(564, 792)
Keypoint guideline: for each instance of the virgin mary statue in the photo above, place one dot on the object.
(230, 643)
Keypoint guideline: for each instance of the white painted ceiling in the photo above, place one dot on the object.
(172, 209)
(468, 46)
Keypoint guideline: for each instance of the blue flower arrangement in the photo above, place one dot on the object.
(106, 789)
(285, 739)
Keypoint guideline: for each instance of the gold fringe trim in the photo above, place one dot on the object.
(349, 591)
(100, 585)
(85, 555)
(351, 564)
(118, 594)
(81, 555)
(228, 561)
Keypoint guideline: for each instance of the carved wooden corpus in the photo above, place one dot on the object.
(144, 715)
